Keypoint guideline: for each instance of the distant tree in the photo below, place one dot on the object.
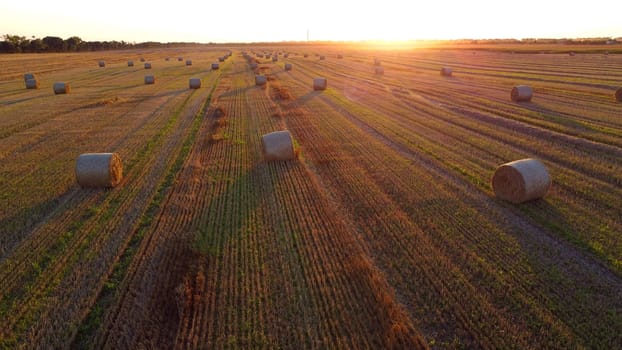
(15, 42)
(54, 43)
(35, 45)
(73, 44)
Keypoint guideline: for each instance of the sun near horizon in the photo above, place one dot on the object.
(279, 20)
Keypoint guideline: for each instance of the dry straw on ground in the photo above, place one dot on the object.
(521, 180)
(320, 84)
(446, 71)
(619, 95)
(149, 79)
(278, 145)
(99, 170)
(194, 83)
(32, 84)
(61, 88)
(521, 93)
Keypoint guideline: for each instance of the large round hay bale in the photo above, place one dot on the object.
(99, 169)
(194, 83)
(278, 145)
(320, 84)
(275, 58)
(619, 94)
(29, 76)
(147, 65)
(288, 66)
(61, 88)
(130, 63)
(149, 79)
(521, 93)
(142, 59)
(102, 64)
(32, 84)
(306, 55)
(180, 59)
(188, 62)
(340, 56)
(446, 71)
(215, 66)
(379, 70)
(377, 62)
(254, 65)
(167, 59)
(521, 180)
(260, 80)
(322, 57)
(221, 59)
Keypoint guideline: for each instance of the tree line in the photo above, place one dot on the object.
(22, 44)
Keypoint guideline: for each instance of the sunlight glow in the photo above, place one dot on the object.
(279, 20)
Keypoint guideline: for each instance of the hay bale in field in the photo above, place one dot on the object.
(320, 84)
(278, 146)
(149, 79)
(221, 59)
(275, 58)
(571, 53)
(521, 93)
(167, 59)
(521, 180)
(380, 70)
(446, 71)
(618, 94)
(32, 84)
(29, 76)
(99, 169)
(180, 59)
(194, 83)
(147, 65)
(339, 56)
(142, 59)
(254, 65)
(322, 57)
(61, 88)
(288, 66)
(260, 80)
(130, 63)
(377, 62)
(102, 64)
(215, 66)
(188, 62)
(306, 55)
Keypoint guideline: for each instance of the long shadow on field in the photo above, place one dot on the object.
(300, 101)
(235, 92)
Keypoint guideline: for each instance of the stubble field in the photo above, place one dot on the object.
(384, 233)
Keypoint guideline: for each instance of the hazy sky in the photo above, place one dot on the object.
(280, 20)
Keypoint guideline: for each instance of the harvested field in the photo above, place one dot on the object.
(384, 232)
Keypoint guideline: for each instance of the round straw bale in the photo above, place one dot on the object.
(188, 62)
(32, 84)
(254, 65)
(288, 66)
(99, 169)
(446, 71)
(29, 76)
(61, 88)
(306, 55)
(619, 94)
(167, 59)
(377, 62)
(147, 65)
(260, 80)
(215, 66)
(130, 63)
(278, 145)
(180, 59)
(521, 180)
(379, 70)
(194, 83)
(102, 64)
(322, 57)
(149, 79)
(339, 56)
(521, 93)
(142, 59)
(320, 84)
(221, 59)
(275, 58)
